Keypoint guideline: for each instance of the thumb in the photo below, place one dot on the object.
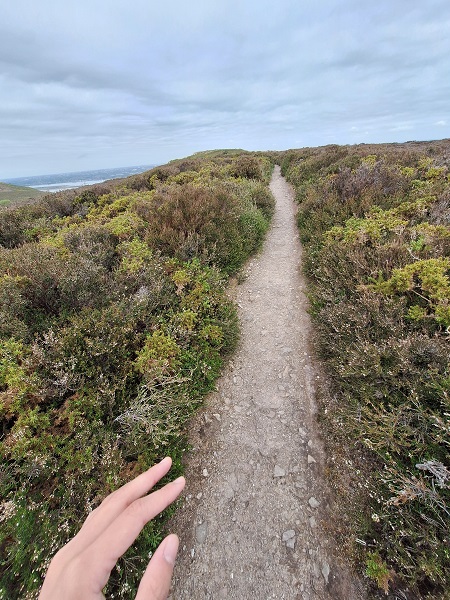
(155, 583)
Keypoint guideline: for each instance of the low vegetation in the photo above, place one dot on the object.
(375, 223)
(114, 323)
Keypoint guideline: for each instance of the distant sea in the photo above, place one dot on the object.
(68, 181)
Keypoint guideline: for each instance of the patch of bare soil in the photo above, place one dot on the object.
(257, 518)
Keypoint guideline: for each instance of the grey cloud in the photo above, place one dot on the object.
(98, 84)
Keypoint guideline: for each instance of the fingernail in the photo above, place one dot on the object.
(180, 480)
(171, 549)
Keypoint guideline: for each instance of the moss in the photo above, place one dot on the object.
(378, 571)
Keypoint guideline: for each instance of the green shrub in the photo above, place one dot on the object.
(135, 255)
(248, 167)
(263, 199)
(425, 281)
(158, 357)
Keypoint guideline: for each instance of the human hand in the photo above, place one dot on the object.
(81, 569)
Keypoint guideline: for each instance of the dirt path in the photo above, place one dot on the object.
(252, 523)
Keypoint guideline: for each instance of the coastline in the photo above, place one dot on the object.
(66, 181)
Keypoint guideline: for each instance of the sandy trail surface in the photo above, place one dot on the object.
(255, 523)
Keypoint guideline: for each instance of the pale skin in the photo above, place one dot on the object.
(81, 569)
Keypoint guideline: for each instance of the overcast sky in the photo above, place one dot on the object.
(88, 84)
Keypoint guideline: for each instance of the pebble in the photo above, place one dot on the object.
(313, 502)
(325, 571)
(316, 570)
(201, 532)
(312, 521)
(229, 493)
(205, 472)
(311, 459)
(289, 538)
(287, 535)
(278, 471)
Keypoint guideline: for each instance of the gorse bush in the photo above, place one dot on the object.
(375, 222)
(113, 325)
(423, 281)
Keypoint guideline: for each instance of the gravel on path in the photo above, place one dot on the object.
(256, 522)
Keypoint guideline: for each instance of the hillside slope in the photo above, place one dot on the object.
(14, 194)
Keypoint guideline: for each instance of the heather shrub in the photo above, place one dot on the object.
(374, 221)
(190, 221)
(248, 167)
(75, 403)
(183, 214)
(53, 282)
(38, 269)
(61, 205)
(15, 223)
(114, 324)
(12, 307)
(93, 242)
